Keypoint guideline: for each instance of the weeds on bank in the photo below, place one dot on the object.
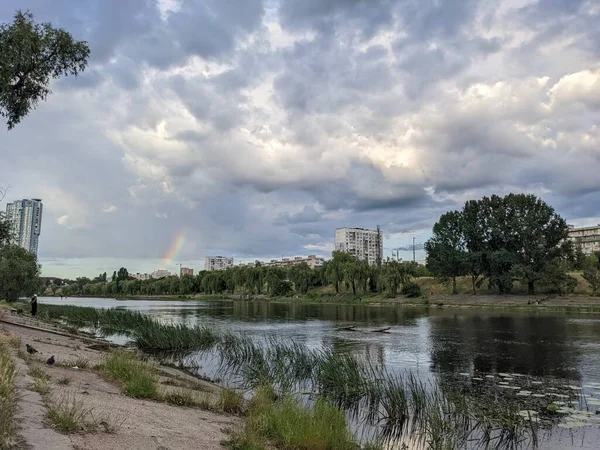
(8, 399)
(231, 402)
(136, 375)
(67, 414)
(289, 425)
(41, 380)
(181, 397)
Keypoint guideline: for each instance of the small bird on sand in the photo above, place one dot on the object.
(30, 349)
(50, 360)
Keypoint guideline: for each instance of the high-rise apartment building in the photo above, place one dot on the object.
(363, 243)
(217, 262)
(25, 218)
(587, 238)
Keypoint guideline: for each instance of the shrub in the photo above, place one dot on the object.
(411, 289)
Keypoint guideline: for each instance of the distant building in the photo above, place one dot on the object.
(312, 260)
(587, 238)
(25, 218)
(142, 276)
(160, 273)
(187, 271)
(217, 262)
(362, 243)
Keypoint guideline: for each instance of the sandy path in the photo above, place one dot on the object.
(141, 424)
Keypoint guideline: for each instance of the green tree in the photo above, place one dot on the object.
(591, 271)
(335, 268)
(537, 236)
(446, 253)
(30, 55)
(19, 272)
(81, 282)
(302, 276)
(393, 275)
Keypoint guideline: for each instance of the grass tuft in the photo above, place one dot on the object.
(181, 397)
(64, 381)
(292, 426)
(136, 375)
(8, 400)
(231, 402)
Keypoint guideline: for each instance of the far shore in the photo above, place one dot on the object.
(568, 303)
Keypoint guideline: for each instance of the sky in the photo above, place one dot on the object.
(255, 128)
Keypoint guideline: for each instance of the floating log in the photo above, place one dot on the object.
(381, 330)
(348, 328)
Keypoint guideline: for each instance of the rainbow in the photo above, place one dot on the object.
(174, 248)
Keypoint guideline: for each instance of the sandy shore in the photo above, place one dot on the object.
(128, 423)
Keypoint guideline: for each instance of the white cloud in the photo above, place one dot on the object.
(63, 220)
(110, 209)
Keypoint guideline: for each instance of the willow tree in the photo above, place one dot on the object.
(31, 55)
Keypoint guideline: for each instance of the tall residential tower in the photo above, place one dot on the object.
(25, 218)
(360, 242)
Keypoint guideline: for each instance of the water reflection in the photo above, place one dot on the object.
(532, 345)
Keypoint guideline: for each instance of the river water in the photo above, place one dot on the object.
(425, 341)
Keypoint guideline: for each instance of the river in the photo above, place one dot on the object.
(425, 341)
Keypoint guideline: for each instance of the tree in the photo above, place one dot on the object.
(81, 282)
(591, 271)
(334, 268)
(19, 272)
(446, 254)
(114, 276)
(393, 275)
(30, 55)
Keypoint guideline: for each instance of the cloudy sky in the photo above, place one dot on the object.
(254, 128)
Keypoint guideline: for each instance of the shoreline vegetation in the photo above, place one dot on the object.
(293, 387)
(438, 296)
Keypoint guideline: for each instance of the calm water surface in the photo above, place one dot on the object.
(428, 341)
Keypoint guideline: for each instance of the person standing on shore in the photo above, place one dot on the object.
(34, 305)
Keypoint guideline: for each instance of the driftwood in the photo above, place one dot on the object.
(348, 328)
(381, 330)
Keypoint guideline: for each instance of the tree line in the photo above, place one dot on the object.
(343, 272)
(502, 240)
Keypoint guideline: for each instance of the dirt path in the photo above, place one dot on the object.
(128, 423)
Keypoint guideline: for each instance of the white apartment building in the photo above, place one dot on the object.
(363, 243)
(217, 262)
(587, 238)
(25, 218)
(312, 260)
(160, 273)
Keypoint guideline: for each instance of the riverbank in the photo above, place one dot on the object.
(83, 401)
(565, 303)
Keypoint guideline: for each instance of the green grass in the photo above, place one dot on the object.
(231, 402)
(136, 375)
(64, 381)
(181, 397)
(41, 380)
(291, 426)
(68, 415)
(8, 399)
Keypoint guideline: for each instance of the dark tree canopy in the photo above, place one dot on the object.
(502, 239)
(30, 55)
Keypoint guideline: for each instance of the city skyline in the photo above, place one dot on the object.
(292, 118)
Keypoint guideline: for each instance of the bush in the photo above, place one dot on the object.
(411, 289)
